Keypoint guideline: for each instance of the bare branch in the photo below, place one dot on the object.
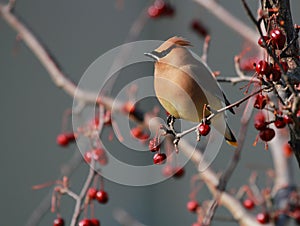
(83, 191)
(211, 179)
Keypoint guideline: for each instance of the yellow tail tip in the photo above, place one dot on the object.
(232, 143)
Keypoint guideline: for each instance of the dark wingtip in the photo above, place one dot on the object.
(228, 103)
(230, 138)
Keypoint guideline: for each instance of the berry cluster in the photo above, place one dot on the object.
(269, 72)
(276, 39)
(100, 195)
(160, 8)
(262, 125)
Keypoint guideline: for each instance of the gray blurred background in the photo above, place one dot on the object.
(77, 32)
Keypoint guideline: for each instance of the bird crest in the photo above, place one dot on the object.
(179, 41)
(171, 43)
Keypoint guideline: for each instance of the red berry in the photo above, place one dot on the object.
(262, 68)
(88, 156)
(153, 11)
(260, 40)
(85, 222)
(58, 222)
(263, 218)
(204, 129)
(62, 139)
(192, 206)
(136, 132)
(260, 101)
(267, 134)
(159, 158)
(260, 121)
(178, 172)
(277, 38)
(102, 196)
(275, 74)
(92, 193)
(95, 222)
(279, 122)
(287, 119)
(154, 145)
(248, 204)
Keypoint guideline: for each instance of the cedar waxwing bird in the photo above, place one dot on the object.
(184, 85)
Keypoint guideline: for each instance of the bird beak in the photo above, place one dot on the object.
(152, 55)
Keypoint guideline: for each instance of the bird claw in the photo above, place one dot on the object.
(170, 124)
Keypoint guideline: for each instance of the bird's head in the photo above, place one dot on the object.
(164, 49)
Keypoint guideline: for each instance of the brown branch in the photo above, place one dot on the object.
(239, 213)
(241, 139)
(235, 160)
(57, 76)
(79, 199)
(208, 176)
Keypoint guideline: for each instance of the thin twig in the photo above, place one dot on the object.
(235, 80)
(241, 139)
(210, 212)
(239, 213)
(235, 160)
(82, 194)
(205, 48)
(216, 112)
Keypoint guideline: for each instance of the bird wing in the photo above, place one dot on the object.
(203, 75)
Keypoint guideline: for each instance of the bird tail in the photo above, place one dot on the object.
(229, 137)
